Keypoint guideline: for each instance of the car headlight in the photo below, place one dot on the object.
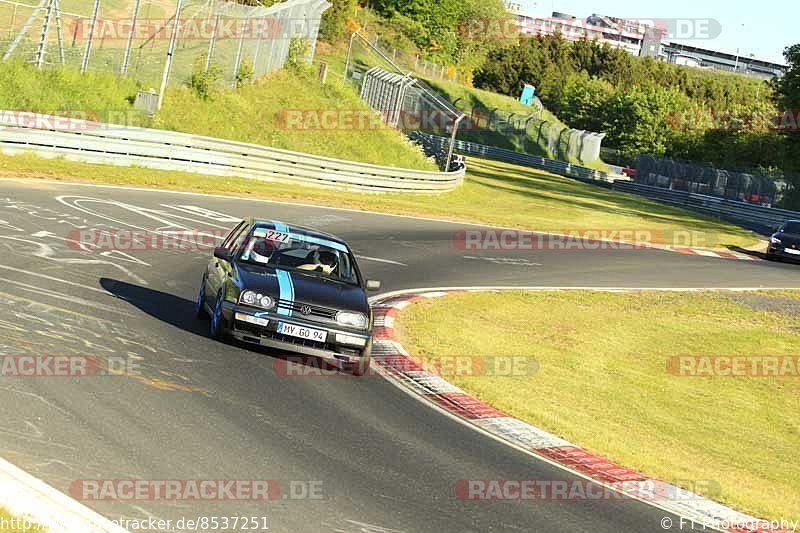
(775, 240)
(256, 299)
(354, 320)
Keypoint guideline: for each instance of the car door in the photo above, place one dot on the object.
(217, 269)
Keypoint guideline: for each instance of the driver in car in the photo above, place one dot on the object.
(260, 250)
(324, 262)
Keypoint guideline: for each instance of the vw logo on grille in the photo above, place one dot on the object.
(306, 309)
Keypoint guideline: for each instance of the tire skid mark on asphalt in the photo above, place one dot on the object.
(48, 253)
(396, 364)
(62, 296)
(29, 338)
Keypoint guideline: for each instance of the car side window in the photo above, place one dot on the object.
(235, 232)
(239, 239)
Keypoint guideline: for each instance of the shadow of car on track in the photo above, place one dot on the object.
(751, 253)
(180, 313)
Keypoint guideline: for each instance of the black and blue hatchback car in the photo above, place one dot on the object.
(785, 242)
(292, 289)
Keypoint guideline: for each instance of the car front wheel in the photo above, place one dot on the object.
(217, 326)
(200, 304)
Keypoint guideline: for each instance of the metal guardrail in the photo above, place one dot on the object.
(755, 217)
(518, 158)
(85, 141)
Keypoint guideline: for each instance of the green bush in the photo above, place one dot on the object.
(202, 81)
(245, 73)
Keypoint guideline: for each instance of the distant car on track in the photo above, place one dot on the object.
(785, 242)
(289, 288)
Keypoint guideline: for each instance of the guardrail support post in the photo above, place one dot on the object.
(453, 142)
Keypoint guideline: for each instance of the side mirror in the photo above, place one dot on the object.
(222, 253)
(373, 285)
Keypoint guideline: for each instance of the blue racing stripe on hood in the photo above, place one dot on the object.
(286, 289)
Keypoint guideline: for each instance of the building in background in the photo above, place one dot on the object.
(619, 33)
(704, 58)
(639, 38)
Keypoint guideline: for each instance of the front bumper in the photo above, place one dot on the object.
(267, 335)
(779, 250)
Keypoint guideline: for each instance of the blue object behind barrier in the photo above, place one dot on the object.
(527, 95)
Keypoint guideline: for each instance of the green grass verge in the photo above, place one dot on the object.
(602, 380)
(493, 193)
(249, 114)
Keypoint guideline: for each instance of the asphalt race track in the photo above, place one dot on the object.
(200, 409)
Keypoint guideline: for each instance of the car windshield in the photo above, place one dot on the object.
(791, 227)
(300, 253)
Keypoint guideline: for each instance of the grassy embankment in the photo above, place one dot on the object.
(250, 114)
(494, 193)
(603, 383)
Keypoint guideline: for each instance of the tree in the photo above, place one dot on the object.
(787, 88)
(334, 20)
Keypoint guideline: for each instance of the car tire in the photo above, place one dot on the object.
(217, 324)
(361, 368)
(200, 304)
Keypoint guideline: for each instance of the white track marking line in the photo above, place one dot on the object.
(378, 260)
(543, 288)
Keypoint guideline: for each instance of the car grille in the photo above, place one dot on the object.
(261, 331)
(321, 312)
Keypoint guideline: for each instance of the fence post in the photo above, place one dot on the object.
(260, 33)
(126, 59)
(314, 33)
(59, 32)
(349, 52)
(87, 52)
(238, 62)
(212, 42)
(24, 30)
(170, 53)
(43, 39)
